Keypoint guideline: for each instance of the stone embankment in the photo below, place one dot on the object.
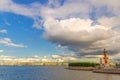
(96, 70)
(110, 71)
(81, 68)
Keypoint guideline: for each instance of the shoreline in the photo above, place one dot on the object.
(96, 70)
(109, 71)
(81, 68)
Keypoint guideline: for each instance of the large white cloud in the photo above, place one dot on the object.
(72, 25)
(78, 34)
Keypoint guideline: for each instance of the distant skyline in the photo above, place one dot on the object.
(59, 28)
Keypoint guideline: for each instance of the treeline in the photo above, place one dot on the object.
(84, 64)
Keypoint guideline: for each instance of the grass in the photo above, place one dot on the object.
(84, 64)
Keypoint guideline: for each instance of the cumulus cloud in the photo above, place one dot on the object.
(65, 57)
(109, 22)
(32, 10)
(10, 6)
(6, 58)
(8, 42)
(80, 36)
(1, 50)
(59, 47)
(77, 34)
(55, 56)
(3, 31)
(115, 56)
(93, 56)
(85, 30)
(65, 11)
(13, 58)
(23, 59)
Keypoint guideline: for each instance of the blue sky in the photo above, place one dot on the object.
(30, 1)
(20, 31)
(57, 27)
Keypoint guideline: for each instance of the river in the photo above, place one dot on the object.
(50, 73)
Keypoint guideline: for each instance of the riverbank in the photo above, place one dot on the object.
(80, 68)
(96, 70)
(110, 71)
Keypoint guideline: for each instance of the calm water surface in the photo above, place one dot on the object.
(50, 73)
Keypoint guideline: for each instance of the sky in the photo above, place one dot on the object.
(59, 28)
